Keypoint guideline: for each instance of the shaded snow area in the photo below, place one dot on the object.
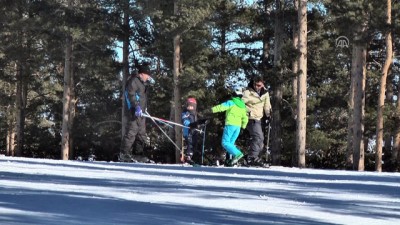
(53, 192)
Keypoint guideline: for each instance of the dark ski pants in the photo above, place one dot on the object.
(135, 129)
(192, 142)
(256, 138)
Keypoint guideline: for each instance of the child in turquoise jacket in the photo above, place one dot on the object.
(235, 119)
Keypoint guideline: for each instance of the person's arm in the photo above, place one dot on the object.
(246, 96)
(185, 118)
(135, 98)
(132, 89)
(267, 105)
(245, 120)
(222, 107)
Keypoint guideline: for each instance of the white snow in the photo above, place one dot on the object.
(52, 192)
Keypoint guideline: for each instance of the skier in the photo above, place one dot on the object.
(235, 119)
(190, 135)
(136, 101)
(258, 105)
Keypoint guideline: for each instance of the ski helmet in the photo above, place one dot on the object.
(237, 90)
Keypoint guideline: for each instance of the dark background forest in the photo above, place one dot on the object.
(63, 65)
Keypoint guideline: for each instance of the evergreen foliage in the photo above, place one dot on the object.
(221, 44)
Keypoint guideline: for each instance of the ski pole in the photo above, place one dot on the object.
(166, 124)
(167, 121)
(164, 120)
(266, 149)
(204, 139)
(152, 119)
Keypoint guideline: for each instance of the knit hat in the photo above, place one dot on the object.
(191, 101)
(144, 68)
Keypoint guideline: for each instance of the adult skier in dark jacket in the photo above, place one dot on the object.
(136, 101)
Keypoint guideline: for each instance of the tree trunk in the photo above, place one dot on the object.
(302, 86)
(276, 143)
(396, 142)
(68, 96)
(125, 63)
(276, 126)
(295, 70)
(21, 98)
(266, 46)
(359, 74)
(65, 138)
(388, 148)
(11, 125)
(350, 126)
(295, 64)
(177, 94)
(10, 148)
(72, 113)
(382, 90)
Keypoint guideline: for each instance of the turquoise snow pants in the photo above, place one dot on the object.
(229, 137)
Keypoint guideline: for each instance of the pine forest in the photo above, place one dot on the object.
(332, 70)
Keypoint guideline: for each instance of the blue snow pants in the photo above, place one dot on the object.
(229, 137)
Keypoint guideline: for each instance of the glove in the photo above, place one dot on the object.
(267, 120)
(193, 125)
(151, 81)
(138, 111)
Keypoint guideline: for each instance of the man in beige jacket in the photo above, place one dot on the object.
(258, 105)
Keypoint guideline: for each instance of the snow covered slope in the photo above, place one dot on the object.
(42, 191)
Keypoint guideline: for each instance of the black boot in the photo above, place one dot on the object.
(123, 157)
(256, 162)
(189, 159)
(141, 158)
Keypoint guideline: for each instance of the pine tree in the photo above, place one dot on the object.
(364, 18)
(382, 88)
(302, 85)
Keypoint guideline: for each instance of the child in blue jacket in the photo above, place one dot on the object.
(190, 135)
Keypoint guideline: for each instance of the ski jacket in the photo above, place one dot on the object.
(135, 93)
(236, 113)
(187, 118)
(257, 104)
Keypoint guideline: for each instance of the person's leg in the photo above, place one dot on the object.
(257, 138)
(141, 137)
(229, 137)
(195, 152)
(190, 146)
(127, 141)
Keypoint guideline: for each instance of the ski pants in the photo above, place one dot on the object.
(135, 128)
(256, 138)
(229, 137)
(191, 141)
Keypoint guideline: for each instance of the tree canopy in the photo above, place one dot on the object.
(222, 42)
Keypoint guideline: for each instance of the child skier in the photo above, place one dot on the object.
(190, 135)
(235, 119)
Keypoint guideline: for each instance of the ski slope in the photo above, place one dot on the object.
(50, 192)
